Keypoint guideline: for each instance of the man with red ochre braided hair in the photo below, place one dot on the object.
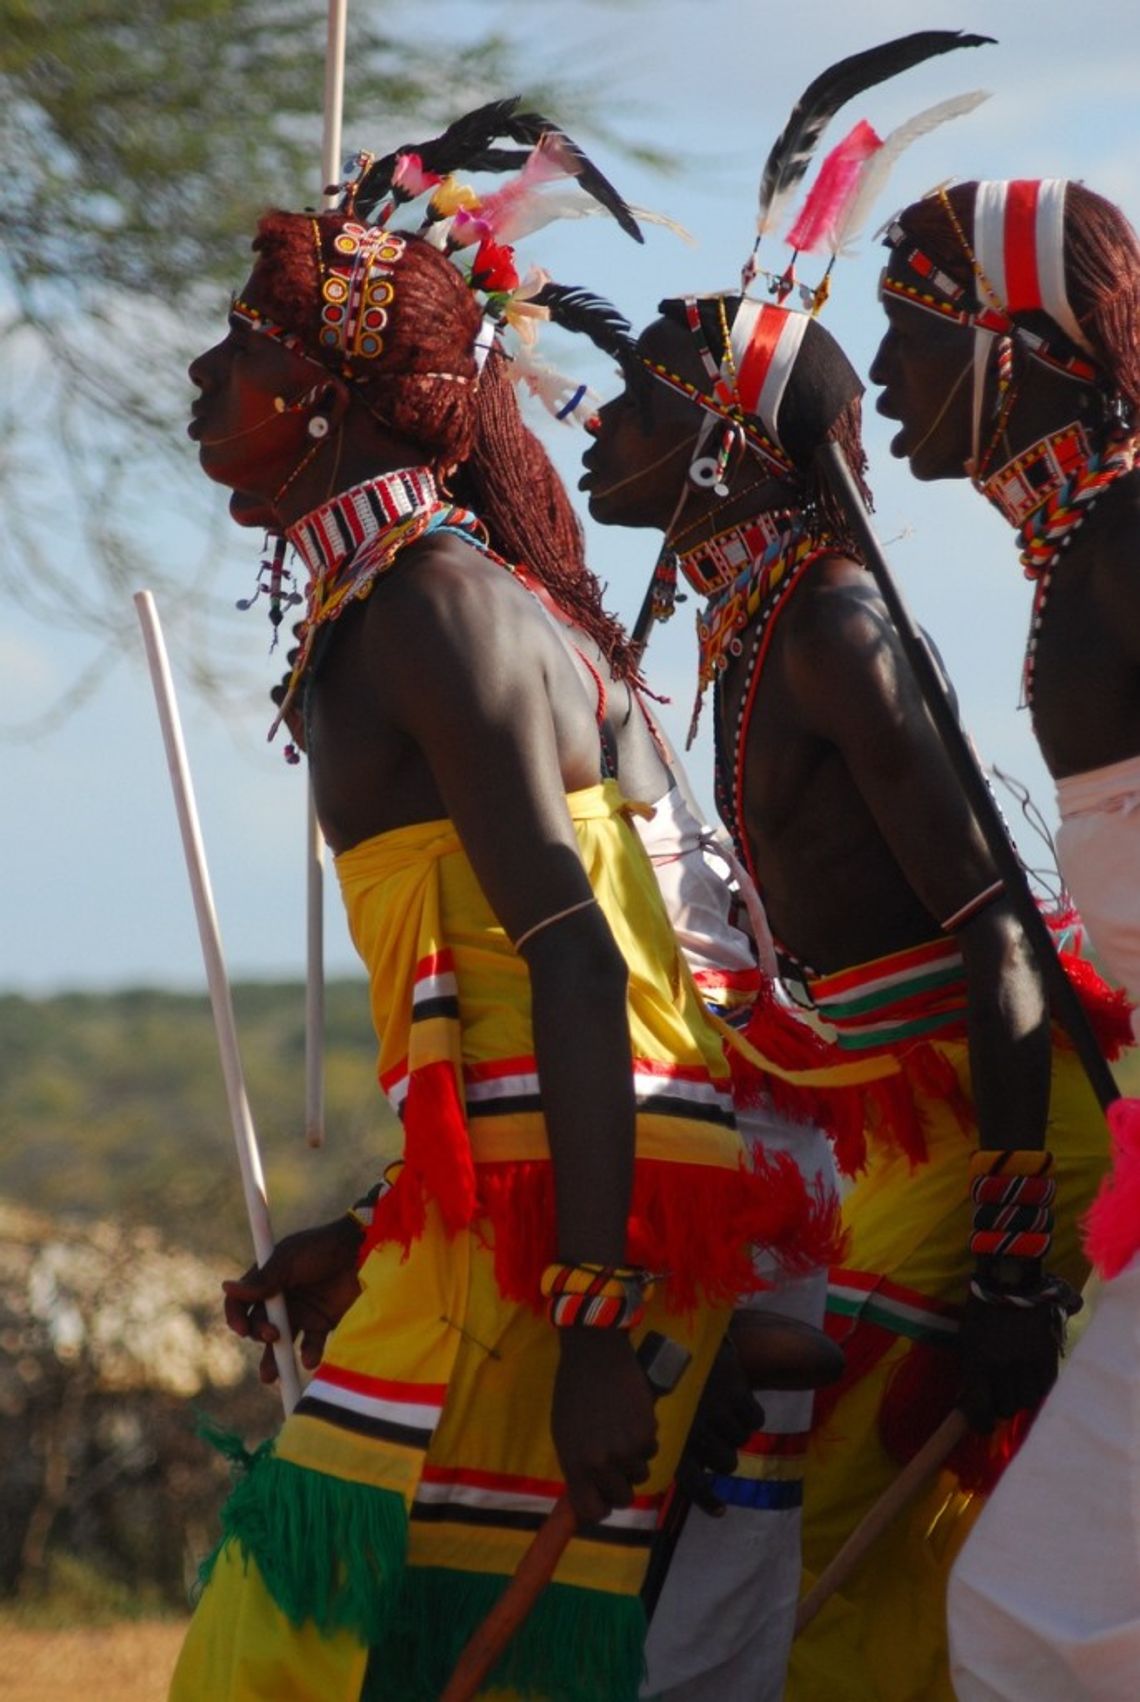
(1013, 359)
(566, 1105)
(883, 899)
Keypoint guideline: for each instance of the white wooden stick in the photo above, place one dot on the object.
(314, 843)
(334, 98)
(913, 1477)
(315, 983)
(245, 1138)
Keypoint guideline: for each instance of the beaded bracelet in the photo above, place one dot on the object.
(1013, 1197)
(600, 1297)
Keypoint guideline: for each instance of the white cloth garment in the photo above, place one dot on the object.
(1044, 1601)
(723, 1625)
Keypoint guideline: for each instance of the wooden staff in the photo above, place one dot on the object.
(314, 842)
(913, 1477)
(664, 1362)
(245, 1137)
(1063, 996)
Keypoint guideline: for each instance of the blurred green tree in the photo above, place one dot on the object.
(140, 143)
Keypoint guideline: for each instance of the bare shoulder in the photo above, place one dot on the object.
(1116, 564)
(835, 614)
(445, 598)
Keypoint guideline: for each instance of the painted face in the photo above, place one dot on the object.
(637, 465)
(924, 367)
(245, 439)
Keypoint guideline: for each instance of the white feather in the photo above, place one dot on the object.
(878, 168)
(546, 205)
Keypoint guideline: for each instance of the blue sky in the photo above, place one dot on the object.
(93, 891)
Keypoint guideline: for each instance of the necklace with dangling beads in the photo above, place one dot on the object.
(1048, 492)
(743, 571)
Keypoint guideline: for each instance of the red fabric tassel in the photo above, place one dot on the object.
(793, 1044)
(437, 1161)
(1108, 1009)
(691, 1222)
(1112, 1226)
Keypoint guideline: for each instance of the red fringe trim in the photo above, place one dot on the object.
(693, 1222)
(888, 1109)
(1112, 1225)
(436, 1165)
(1108, 1009)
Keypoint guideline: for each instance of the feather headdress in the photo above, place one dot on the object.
(468, 145)
(855, 173)
(791, 153)
(579, 310)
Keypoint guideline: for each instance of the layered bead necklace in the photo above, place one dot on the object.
(351, 541)
(1048, 492)
(744, 571)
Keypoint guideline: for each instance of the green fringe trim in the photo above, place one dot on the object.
(576, 1646)
(328, 1550)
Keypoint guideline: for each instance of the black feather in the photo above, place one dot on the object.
(468, 145)
(579, 310)
(531, 126)
(833, 88)
(454, 149)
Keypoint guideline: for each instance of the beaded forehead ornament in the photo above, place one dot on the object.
(357, 289)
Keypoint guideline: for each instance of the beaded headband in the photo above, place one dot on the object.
(1018, 265)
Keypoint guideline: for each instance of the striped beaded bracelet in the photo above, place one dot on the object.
(1013, 1200)
(599, 1297)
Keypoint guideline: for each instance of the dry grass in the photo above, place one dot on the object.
(128, 1662)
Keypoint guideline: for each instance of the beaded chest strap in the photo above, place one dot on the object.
(745, 568)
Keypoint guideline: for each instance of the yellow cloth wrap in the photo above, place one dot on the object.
(451, 1000)
(405, 1488)
(412, 895)
(436, 1316)
(882, 1636)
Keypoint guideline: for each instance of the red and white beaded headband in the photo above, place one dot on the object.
(747, 384)
(1018, 262)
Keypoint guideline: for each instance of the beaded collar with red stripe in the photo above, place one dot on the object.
(350, 541)
(742, 570)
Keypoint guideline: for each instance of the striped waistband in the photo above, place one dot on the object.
(908, 993)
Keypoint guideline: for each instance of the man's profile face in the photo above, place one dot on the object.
(636, 467)
(924, 367)
(245, 439)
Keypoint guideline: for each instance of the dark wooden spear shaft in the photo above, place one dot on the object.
(1065, 1003)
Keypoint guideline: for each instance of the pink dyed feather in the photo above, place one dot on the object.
(825, 208)
(1112, 1227)
(500, 212)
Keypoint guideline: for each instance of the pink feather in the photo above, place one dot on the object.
(825, 208)
(507, 206)
(1112, 1226)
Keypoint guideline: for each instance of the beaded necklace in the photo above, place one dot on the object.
(770, 595)
(1048, 492)
(351, 541)
(744, 571)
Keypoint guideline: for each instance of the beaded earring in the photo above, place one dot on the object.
(272, 577)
